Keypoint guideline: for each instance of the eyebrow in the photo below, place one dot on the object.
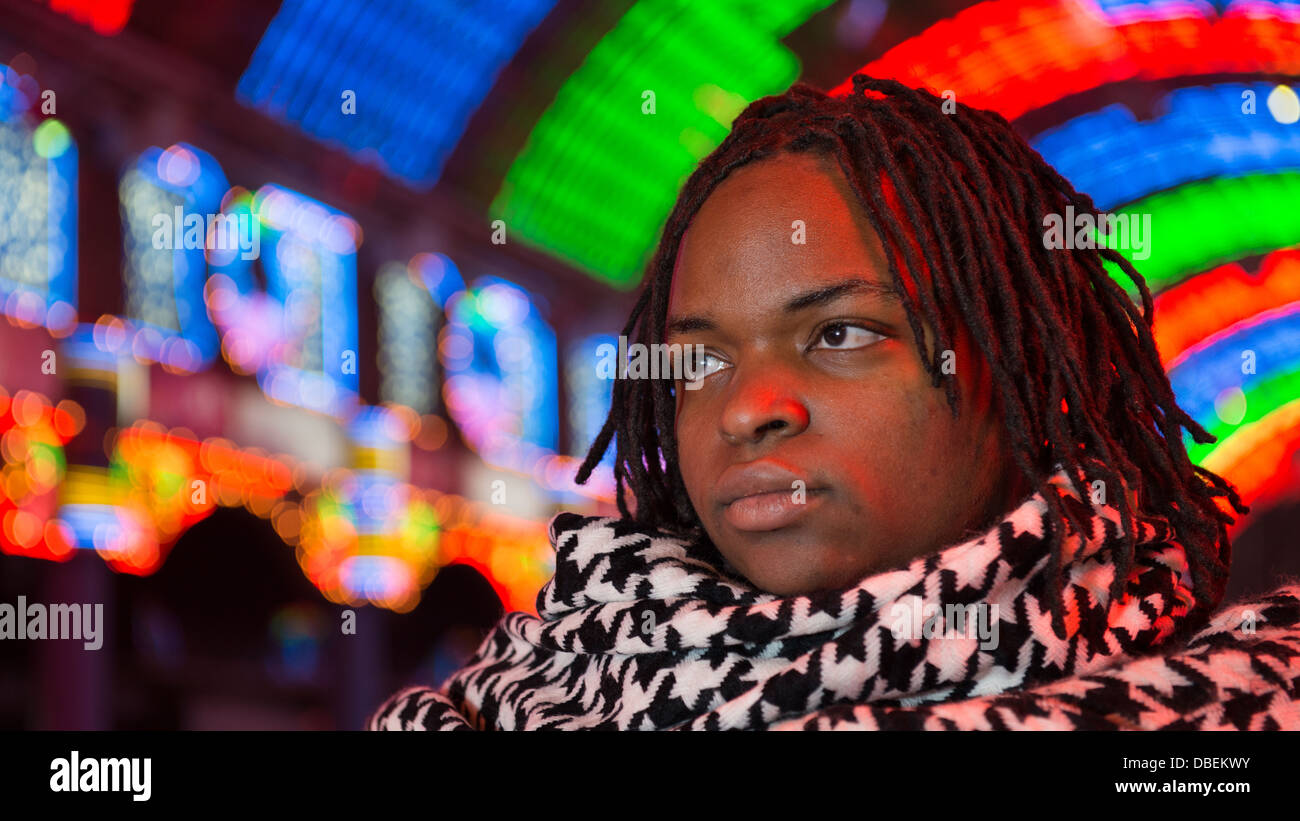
(808, 299)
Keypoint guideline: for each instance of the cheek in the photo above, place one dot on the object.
(946, 465)
(694, 446)
(902, 458)
(885, 423)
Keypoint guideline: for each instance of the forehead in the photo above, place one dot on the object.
(775, 227)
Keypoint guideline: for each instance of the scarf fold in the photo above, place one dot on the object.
(640, 630)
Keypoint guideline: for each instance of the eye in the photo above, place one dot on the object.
(841, 336)
(700, 364)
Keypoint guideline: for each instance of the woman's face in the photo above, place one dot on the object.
(814, 448)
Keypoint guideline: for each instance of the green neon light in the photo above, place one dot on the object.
(1263, 398)
(1201, 225)
(599, 174)
(51, 139)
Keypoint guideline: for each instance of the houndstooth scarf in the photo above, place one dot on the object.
(639, 630)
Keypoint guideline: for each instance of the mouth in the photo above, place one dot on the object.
(764, 495)
(769, 511)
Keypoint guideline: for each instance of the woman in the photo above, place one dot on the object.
(921, 470)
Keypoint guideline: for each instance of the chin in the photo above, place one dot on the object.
(794, 563)
(784, 581)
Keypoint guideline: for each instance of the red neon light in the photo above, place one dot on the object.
(1013, 56)
(106, 17)
(160, 468)
(1202, 305)
(28, 423)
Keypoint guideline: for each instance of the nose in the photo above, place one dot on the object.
(762, 407)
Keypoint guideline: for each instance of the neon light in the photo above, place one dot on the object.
(300, 336)
(51, 139)
(417, 73)
(590, 396)
(353, 568)
(167, 481)
(1200, 327)
(1014, 56)
(513, 554)
(32, 464)
(501, 386)
(407, 331)
(1246, 356)
(439, 274)
(1205, 304)
(175, 481)
(167, 199)
(1204, 134)
(410, 299)
(1254, 454)
(407, 334)
(1204, 224)
(106, 17)
(1284, 105)
(1128, 11)
(375, 578)
(1264, 398)
(377, 536)
(93, 510)
(18, 93)
(38, 235)
(569, 191)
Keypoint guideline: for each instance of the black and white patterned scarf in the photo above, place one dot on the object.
(638, 630)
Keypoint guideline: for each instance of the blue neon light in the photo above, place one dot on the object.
(1125, 10)
(419, 70)
(1204, 134)
(303, 330)
(164, 285)
(502, 385)
(590, 395)
(38, 225)
(304, 258)
(1216, 365)
(373, 576)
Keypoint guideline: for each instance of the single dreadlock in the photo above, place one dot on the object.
(961, 195)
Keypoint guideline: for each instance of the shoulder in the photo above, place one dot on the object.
(567, 522)
(417, 708)
(1240, 672)
(1248, 621)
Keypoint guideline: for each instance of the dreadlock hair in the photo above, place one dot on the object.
(962, 196)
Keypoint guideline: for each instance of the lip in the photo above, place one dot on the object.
(759, 496)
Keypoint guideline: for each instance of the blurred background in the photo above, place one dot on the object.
(302, 471)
